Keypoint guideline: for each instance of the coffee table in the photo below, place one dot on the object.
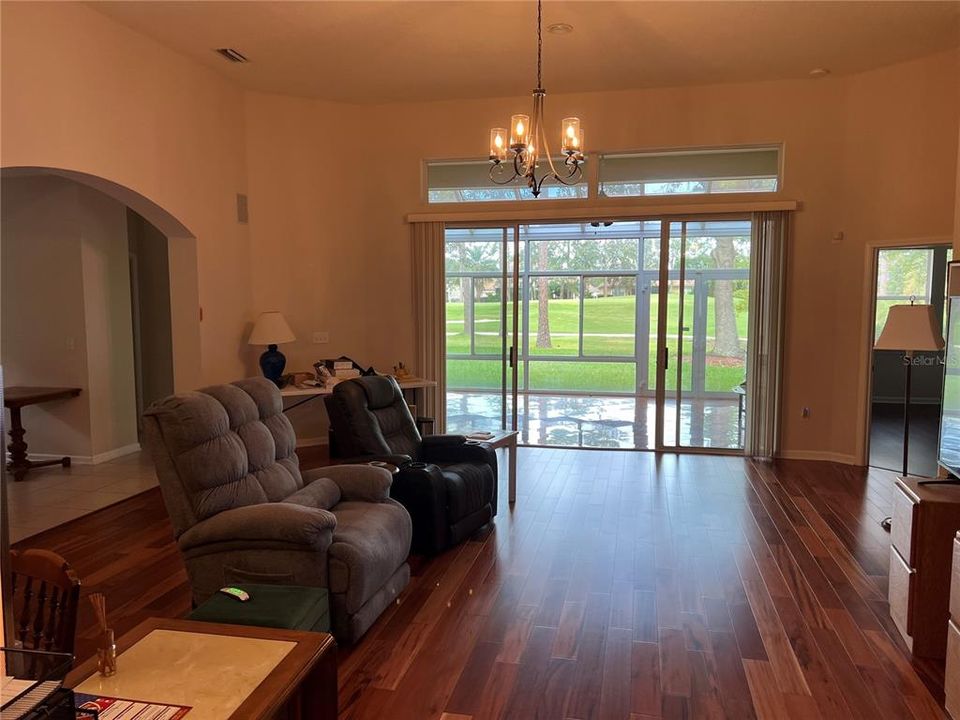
(223, 672)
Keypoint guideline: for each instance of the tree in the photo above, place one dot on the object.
(727, 340)
(543, 299)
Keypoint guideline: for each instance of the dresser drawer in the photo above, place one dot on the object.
(951, 683)
(955, 585)
(903, 524)
(900, 594)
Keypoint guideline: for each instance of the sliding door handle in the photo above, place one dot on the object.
(666, 358)
(512, 358)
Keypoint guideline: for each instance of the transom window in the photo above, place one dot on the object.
(674, 172)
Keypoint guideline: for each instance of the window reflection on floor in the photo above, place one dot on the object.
(600, 421)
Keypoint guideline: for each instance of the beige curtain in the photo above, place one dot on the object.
(429, 302)
(766, 336)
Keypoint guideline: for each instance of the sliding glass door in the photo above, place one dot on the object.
(703, 317)
(481, 328)
(628, 334)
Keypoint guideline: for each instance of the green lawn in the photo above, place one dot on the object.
(608, 324)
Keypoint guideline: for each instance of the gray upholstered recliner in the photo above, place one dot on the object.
(243, 512)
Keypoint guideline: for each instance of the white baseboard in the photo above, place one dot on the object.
(90, 459)
(842, 458)
(311, 442)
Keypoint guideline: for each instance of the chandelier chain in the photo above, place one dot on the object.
(539, 43)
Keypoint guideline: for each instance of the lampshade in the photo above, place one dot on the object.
(910, 327)
(271, 328)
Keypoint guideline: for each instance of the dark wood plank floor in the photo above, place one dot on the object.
(622, 586)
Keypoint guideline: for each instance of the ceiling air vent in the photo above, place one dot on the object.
(233, 55)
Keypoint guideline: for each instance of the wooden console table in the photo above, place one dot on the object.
(414, 385)
(223, 672)
(16, 398)
(306, 394)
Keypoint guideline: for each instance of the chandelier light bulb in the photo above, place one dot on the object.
(570, 137)
(519, 131)
(498, 144)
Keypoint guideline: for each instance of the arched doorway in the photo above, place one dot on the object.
(82, 257)
(182, 255)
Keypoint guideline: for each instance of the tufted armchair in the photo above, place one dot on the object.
(448, 483)
(242, 511)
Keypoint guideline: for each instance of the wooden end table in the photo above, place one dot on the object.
(506, 439)
(16, 398)
(223, 672)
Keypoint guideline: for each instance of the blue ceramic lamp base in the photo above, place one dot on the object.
(272, 363)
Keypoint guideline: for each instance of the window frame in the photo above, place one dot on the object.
(592, 174)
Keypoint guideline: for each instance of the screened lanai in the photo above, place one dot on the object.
(585, 349)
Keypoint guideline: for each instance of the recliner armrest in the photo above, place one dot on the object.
(264, 523)
(396, 459)
(422, 489)
(443, 440)
(365, 483)
(444, 449)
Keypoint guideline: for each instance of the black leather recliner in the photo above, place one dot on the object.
(447, 483)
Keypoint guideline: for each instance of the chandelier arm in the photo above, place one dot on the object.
(546, 149)
(575, 175)
(497, 170)
(535, 185)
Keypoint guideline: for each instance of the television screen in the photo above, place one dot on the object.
(949, 455)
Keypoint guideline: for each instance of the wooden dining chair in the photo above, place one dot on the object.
(45, 594)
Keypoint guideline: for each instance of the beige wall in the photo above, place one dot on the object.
(42, 304)
(873, 156)
(309, 242)
(66, 313)
(84, 93)
(148, 246)
(105, 263)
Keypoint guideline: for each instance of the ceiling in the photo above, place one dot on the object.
(359, 51)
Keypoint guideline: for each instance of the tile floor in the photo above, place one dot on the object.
(52, 496)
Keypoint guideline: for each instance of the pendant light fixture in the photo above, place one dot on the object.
(516, 153)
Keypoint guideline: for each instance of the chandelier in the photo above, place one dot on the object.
(516, 153)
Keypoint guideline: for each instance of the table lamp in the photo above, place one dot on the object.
(909, 328)
(271, 329)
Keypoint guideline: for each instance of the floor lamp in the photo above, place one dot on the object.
(909, 329)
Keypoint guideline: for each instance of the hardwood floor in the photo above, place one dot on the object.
(621, 586)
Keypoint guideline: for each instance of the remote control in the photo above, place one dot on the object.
(235, 593)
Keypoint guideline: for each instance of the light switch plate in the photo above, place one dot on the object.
(321, 337)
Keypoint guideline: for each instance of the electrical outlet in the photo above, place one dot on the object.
(805, 412)
(320, 338)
